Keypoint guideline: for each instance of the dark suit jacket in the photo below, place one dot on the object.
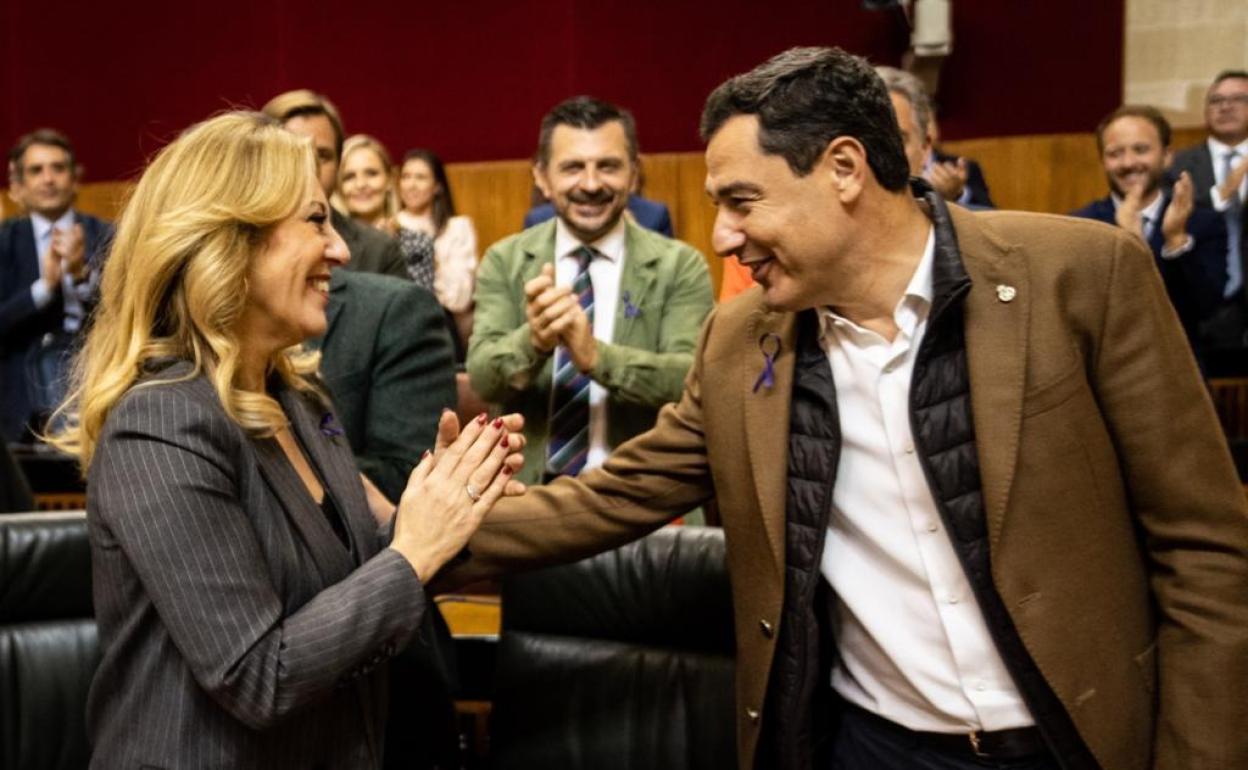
(372, 251)
(975, 182)
(651, 215)
(1118, 529)
(386, 358)
(236, 629)
(1195, 280)
(1198, 163)
(22, 325)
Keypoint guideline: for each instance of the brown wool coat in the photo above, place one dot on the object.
(1118, 527)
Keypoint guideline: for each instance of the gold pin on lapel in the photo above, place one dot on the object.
(1006, 293)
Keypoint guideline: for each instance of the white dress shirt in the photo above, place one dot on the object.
(914, 646)
(604, 273)
(1218, 152)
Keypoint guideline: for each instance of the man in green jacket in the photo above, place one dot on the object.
(585, 324)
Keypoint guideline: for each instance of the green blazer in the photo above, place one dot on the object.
(387, 360)
(644, 365)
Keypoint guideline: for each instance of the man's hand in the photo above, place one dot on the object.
(1174, 223)
(576, 333)
(1233, 180)
(52, 271)
(1129, 211)
(70, 246)
(539, 293)
(949, 179)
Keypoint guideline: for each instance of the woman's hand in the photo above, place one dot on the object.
(454, 486)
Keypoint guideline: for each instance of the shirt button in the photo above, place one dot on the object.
(766, 628)
(981, 686)
(752, 715)
(909, 449)
(952, 599)
(932, 526)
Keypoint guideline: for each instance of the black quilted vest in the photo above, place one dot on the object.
(800, 704)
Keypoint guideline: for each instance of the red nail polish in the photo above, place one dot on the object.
(481, 418)
(507, 471)
(504, 442)
(498, 423)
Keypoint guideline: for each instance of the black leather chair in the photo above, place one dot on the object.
(48, 644)
(623, 661)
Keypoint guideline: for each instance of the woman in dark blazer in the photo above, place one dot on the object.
(247, 597)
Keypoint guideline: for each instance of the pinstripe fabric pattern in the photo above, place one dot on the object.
(236, 629)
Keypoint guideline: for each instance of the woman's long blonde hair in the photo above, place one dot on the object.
(175, 281)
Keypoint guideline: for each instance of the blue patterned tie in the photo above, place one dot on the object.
(569, 404)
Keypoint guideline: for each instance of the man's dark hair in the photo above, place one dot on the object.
(1151, 114)
(588, 113)
(443, 201)
(806, 97)
(46, 136)
(1228, 75)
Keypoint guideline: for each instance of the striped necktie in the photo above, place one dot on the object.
(569, 404)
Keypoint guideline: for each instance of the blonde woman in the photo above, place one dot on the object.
(439, 247)
(246, 601)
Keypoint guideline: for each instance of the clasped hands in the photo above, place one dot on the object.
(556, 318)
(66, 253)
(948, 178)
(454, 486)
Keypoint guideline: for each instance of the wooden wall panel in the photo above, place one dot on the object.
(1054, 173)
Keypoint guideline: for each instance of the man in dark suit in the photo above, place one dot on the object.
(1218, 169)
(1188, 243)
(313, 115)
(651, 215)
(387, 360)
(977, 506)
(49, 277)
(959, 180)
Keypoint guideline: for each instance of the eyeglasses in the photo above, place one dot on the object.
(1233, 99)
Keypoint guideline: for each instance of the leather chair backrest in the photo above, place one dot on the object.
(48, 644)
(623, 661)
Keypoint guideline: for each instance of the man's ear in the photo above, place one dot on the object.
(539, 179)
(844, 161)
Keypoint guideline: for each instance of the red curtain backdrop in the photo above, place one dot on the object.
(471, 80)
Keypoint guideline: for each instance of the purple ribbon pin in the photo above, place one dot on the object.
(329, 426)
(630, 310)
(767, 378)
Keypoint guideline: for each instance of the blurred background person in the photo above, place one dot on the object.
(428, 206)
(49, 276)
(247, 598)
(313, 115)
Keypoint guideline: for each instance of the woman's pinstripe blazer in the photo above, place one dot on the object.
(236, 629)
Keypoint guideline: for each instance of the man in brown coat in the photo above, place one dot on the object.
(977, 506)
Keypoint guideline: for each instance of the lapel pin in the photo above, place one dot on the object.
(630, 310)
(1006, 293)
(329, 426)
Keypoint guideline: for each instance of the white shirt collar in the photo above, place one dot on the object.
(610, 245)
(1149, 212)
(43, 226)
(914, 302)
(1219, 150)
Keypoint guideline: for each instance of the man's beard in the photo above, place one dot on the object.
(1151, 186)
